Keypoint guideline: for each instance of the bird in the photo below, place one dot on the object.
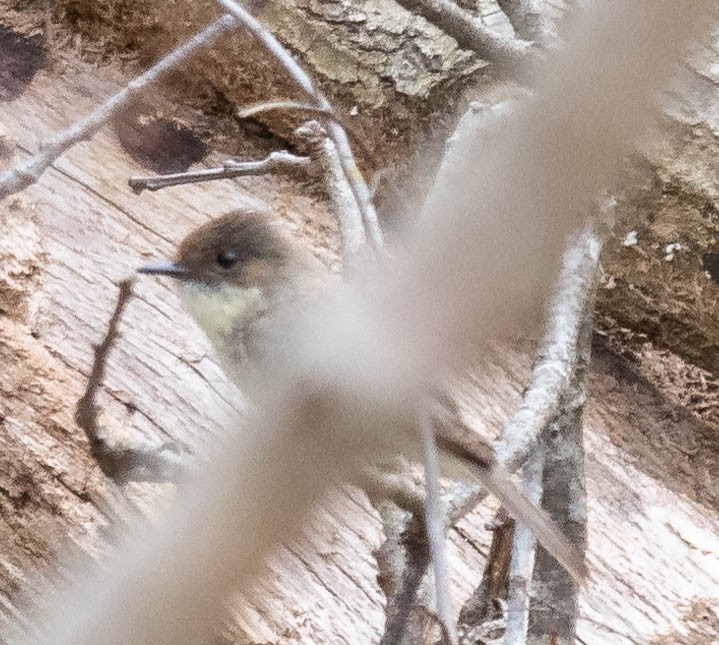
(246, 283)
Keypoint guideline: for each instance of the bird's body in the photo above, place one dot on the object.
(248, 287)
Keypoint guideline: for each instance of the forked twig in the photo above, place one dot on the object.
(29, 171)
(335, 131)
(280, 161)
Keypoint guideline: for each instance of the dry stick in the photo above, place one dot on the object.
(527, 19)
(280, 161)
(405, 569)
(336, 132)
(563, 478)
(480, 612)
(555, 357)
(295, 106)
(120, 463)
(520, 566)
(402, 560)
(570, 315)
(434, 526)
(30, 170)
(344, 205)
(259, 488)
(469, 32)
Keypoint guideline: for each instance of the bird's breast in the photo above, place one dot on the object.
(222, 312)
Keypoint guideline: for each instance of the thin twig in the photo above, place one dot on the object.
(295, 106)
(121, 463)
(280, 161)
(527, 20)
(520, 567)
(30, 170)
(336, 132)
(434, 525)
(469, 32)
(343, 202)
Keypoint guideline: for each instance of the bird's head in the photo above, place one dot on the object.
(229, 269)
(241, 249)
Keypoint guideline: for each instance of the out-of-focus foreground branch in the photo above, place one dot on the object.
(483, 265)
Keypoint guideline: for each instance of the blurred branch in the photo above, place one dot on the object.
(336, 132)
(29, 171)
(276, 162)
(121, 463)
(481, 261)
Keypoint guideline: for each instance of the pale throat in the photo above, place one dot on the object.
(223, 310)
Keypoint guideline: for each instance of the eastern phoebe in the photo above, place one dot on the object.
(246, 284)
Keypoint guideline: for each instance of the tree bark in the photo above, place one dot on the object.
(64, 245)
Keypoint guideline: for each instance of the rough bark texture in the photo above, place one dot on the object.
(394, 78)
(64, 243)
(553, 608)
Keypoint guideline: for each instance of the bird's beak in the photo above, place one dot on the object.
(166, 267)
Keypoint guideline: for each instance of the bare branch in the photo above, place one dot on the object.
(527, 20)
(483, 606)
(30, 170)
(564, 496)
(344, 204)
(295, 106)
(404, 558)
(336, 132)
(434, 525)
(276, 162)
(469, 32)
(352, 397)
(122, 463)
(520, 568)
(557, 352)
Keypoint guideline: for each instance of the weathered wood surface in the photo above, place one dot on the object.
(65, 243)
(393, 76)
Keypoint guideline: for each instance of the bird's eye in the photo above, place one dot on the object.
(227, 260)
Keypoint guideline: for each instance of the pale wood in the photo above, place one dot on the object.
(68, 240)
